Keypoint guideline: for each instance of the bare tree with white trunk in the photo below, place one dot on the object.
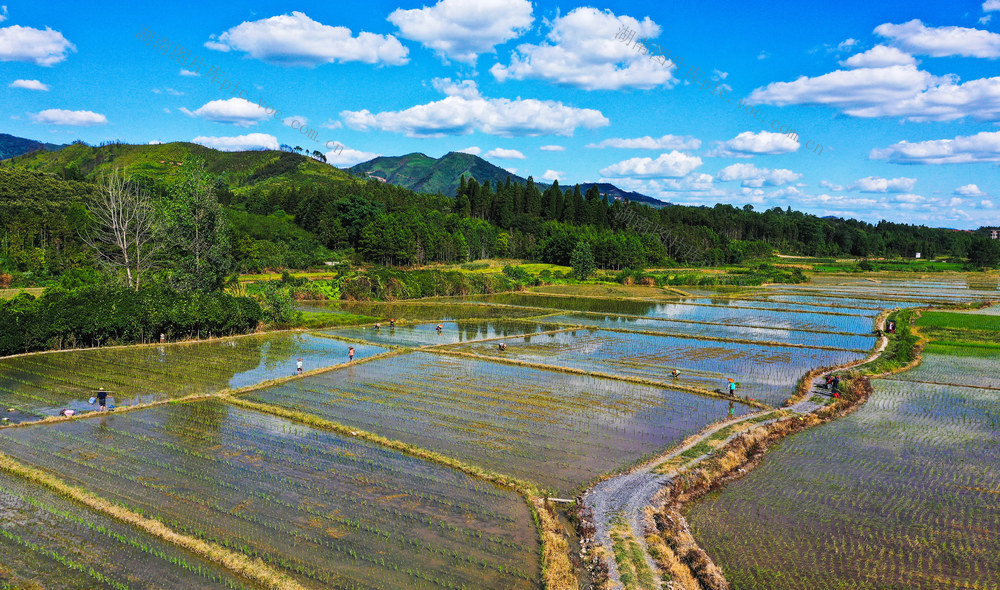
(123, 229)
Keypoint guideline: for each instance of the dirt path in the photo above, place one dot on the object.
(626, 495)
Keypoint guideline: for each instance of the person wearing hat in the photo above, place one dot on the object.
(298, 366)
(350, 354)
(732, 387)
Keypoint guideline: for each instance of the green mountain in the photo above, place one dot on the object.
(243, 171)
(421, 173)
(11, 146)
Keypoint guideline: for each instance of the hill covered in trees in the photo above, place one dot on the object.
(424, 174)
(284, 210)
(11, 145)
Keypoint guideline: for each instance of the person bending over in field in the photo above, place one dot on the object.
(392, 322)
(439, 328)
(67, 412)
(675, 373)
(502, 346)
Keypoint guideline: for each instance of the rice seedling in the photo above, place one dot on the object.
(40, 385)
(765, 373)
(552, 428)
(452, 332)
(900, 494)
(326, 510)
(51, 542)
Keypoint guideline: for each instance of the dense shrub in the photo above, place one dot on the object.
(97, 315)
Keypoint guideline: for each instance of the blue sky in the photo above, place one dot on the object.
(902, 97)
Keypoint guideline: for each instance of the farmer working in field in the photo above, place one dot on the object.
(298, 366)
(675, 373)
(732, 387)
(102, 400)
(439, 328)
(835, 383)
(350, 354)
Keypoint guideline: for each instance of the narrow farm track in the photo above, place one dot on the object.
(626, 496)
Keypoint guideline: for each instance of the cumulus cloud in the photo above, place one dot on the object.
(3, 13)
(667, 142)
(553, 175)
(240, 143)
(448, 87)
(29, 85)
(969, 190)
(991, 5)
(64, 117)
(297, 40)
(829, 185)
(981, 147)
(580, 51)
(669, 165)
(914, 37)
(763, 142)
(880, 56)
(295, 121)
(668, 188)
(877, 184)
(752, 176)
(552, 148)
(505, 154)
(475, 151)
(331, 124)
(43, 48)
(893, 91)
(461, 30)
(189, 73)
(236, 111)
(345, 157)
(462, 113)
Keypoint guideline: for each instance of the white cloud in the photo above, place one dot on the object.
(461, 115)
(346, 157)
(166, 110)
(581, 51)
(894, 91)
(552, 148)
(331, 124)
(669, 188)
(505, 154)
(985, 19)
(914, 37)
(969, 190)
(877, 184)
(297, 40)
(880, 56)
(667, 142)
(475, 151)
(237, 111)
(671, 165)
(3, 13)
(298, 120)
(719, 74)
(511, 170)
(553, 175)
(991, 5)
(981, 147)
(43, 48)
(64, 117)
(829, 185)
(763, 142)
(189, 73)
(251, 141)
(986, 204)
(464, 88)
(461, 30)
(752, 176)
(909, 198)
(847, 44)
(29, 85)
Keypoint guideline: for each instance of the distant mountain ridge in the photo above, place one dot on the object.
(11, 146)
(422, 173)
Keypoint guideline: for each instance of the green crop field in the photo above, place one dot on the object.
(423, 462)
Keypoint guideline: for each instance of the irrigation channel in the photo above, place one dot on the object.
(431, 460)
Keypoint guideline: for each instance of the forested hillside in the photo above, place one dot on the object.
(284, 210)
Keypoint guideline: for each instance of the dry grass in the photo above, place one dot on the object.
(557, 570)
(252, 569)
